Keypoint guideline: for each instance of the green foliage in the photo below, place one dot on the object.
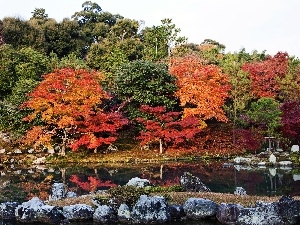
(240, 85)
(12, 191)
(22, 70)
(295, 158)
(69, 61)
(64, 38)
(20, 33)
(144, 83)
(118, 46)
(39, 13)
(159, 40)
(10, 113)
(266, 113)
(25, 63)
(160, 189)
(127, 194)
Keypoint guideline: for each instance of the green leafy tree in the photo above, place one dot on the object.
(63, 38)
(120, 46)
(93, 22)
(89, 14)
(20, 72)
(239, 93)
(40, 14)
(144, 83)
(20, 33)
(266, 113)
(160, 40)
(69, 61)
(290, 83)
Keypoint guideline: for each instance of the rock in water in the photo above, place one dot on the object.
(192, 183)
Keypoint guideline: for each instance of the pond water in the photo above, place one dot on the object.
(23, 183)
(20, 184)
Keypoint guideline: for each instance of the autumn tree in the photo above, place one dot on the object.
(291, 120)
(202, 89)
(265, 75)
(166, 127)
(67, 104)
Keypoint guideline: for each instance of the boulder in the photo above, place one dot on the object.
(261, 214)
(228, 213)
(240, 191)
(176, 212)
(7, 210)
(285, 163)
(242, 160)
(58, 192)
(289, 210)
(71, 194)
(295, 148)
(78, 212)
(36, 211)
(272, 159)
(150, 210)
(138, 182)
(192, 183)
(296, 177)
(105, 214)
(124, 214)
(199, 208)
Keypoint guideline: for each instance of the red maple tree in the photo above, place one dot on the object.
(291, 120)
(167, 127)
(265, 75)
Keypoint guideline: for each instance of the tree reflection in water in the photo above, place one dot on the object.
(24, 183)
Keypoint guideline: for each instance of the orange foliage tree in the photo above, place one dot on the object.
(203, 89)
(266, 75)
(67, 104)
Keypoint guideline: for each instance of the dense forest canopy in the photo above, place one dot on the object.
(80, 82)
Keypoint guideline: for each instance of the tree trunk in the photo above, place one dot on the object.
(160, 146)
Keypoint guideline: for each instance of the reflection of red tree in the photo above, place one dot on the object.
(92, 184)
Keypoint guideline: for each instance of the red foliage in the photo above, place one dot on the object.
(291, 119)
(92, 184)
(264, 75)
(97, 129)
(249, 139)
(167, 126)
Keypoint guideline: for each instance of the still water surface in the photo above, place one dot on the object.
(20, 184)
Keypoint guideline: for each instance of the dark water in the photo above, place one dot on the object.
(24, 183)
(21, 184)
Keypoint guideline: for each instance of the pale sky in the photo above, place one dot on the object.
(271, 25)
